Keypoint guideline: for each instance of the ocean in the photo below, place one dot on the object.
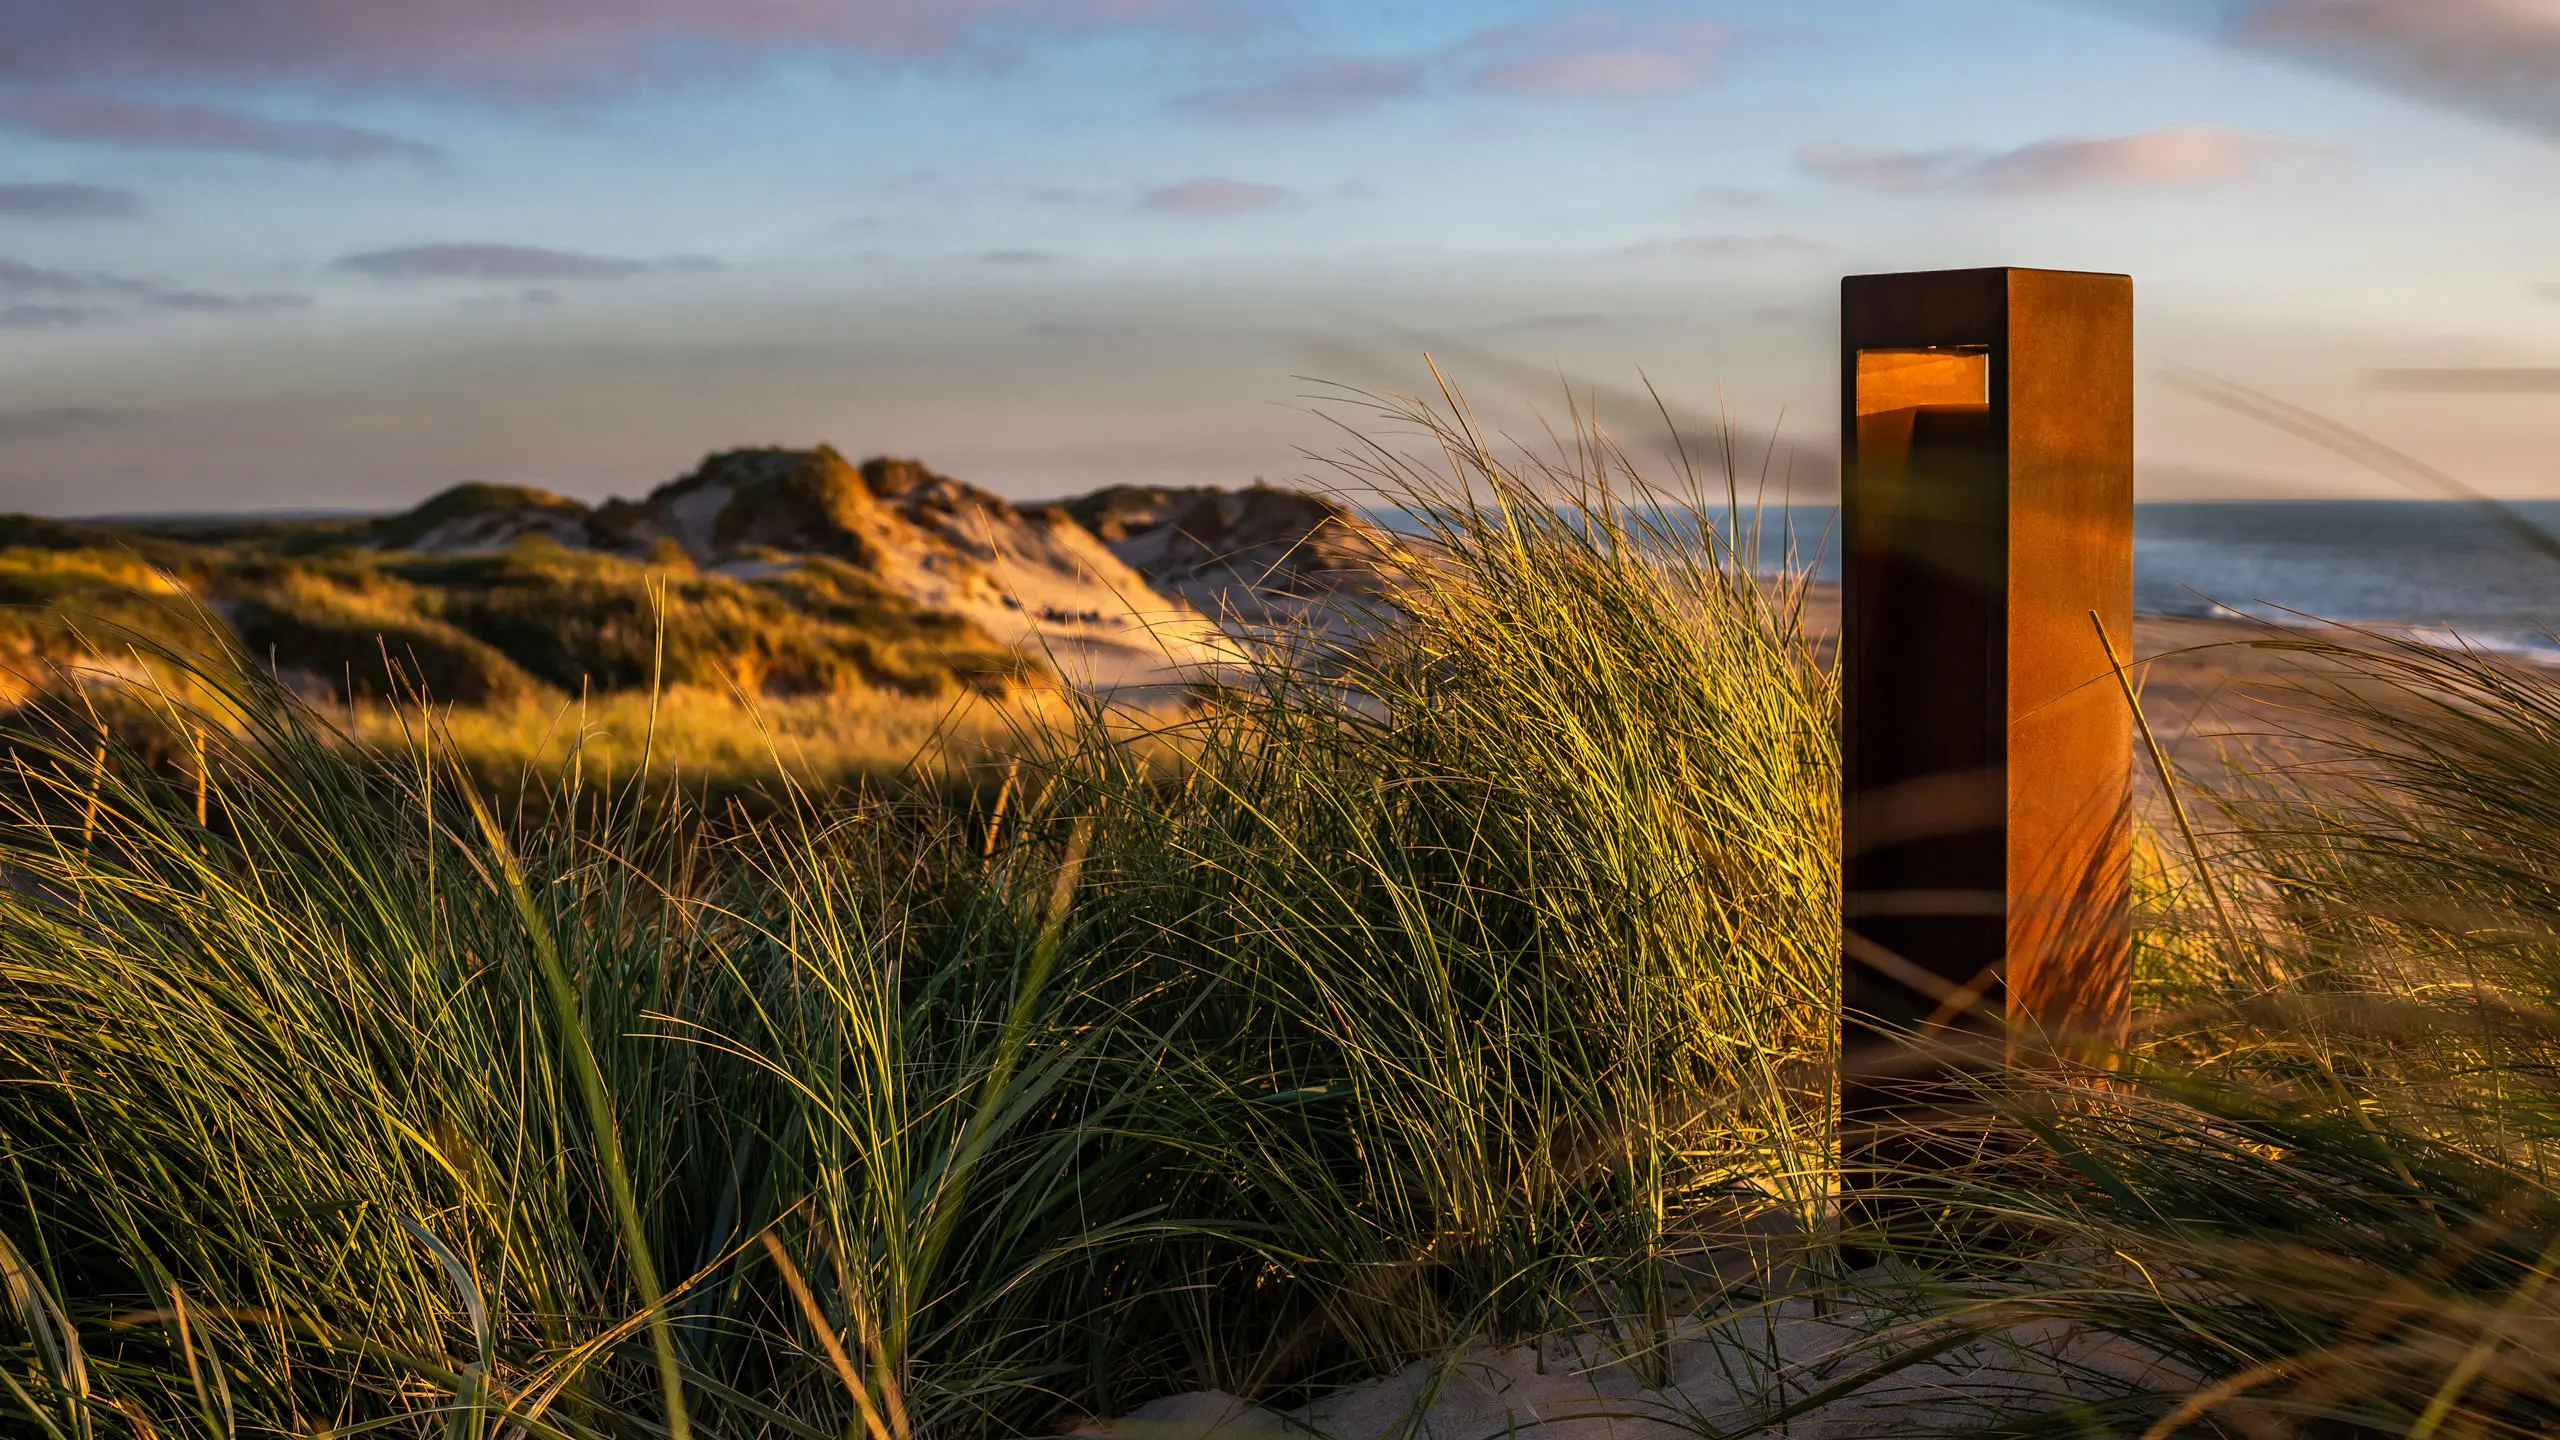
(2439, 569)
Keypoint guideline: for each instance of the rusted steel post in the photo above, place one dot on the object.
(1987, 488)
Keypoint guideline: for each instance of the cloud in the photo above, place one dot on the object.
(17, 277)
(72, 297)
(2491, 380)
(207, 302)
(1208, 195)
(38, 316)
(1732, 195)
(1555, 322)
(511, 44)
(67, 202)
(1316, 90)
(1593, 54)
(51, 420)
(1731, 247)
(1587, 53)
(536, 297)
(2151, 159)
(2501, 56)
(92, 118)
(1113, 331)
(1899, 170)
(491, 261)
(1018, 257)
(1596, 72)
(2183, 155)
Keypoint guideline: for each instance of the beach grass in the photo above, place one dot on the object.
(1467, 981)
(1458, 990)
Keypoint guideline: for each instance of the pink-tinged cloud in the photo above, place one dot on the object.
(2181, 155)
(2502, 56)
(1585, 53)
(92, 118)
(2171, 158)
(1209, 195)
(505, 264)
(1314, 91)
(1599, 72)
(1894, 170)
(67, 202)
(509, 43)
(1593, 53)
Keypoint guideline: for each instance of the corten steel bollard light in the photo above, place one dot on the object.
(1987, 485)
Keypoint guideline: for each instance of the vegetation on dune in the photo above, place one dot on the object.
(468, 501)
(1329, 1030)
(45, 592)
(299, 617)
(727, 754)
(1474, 982)
(577, 617)
(183, 558)
(506, 632)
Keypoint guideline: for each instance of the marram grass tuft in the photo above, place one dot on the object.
(1470, 977)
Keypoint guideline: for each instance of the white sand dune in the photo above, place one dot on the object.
(1129, 592)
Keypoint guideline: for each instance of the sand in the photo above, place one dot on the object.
(1730, 1381)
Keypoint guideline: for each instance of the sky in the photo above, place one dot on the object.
(312, 254)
